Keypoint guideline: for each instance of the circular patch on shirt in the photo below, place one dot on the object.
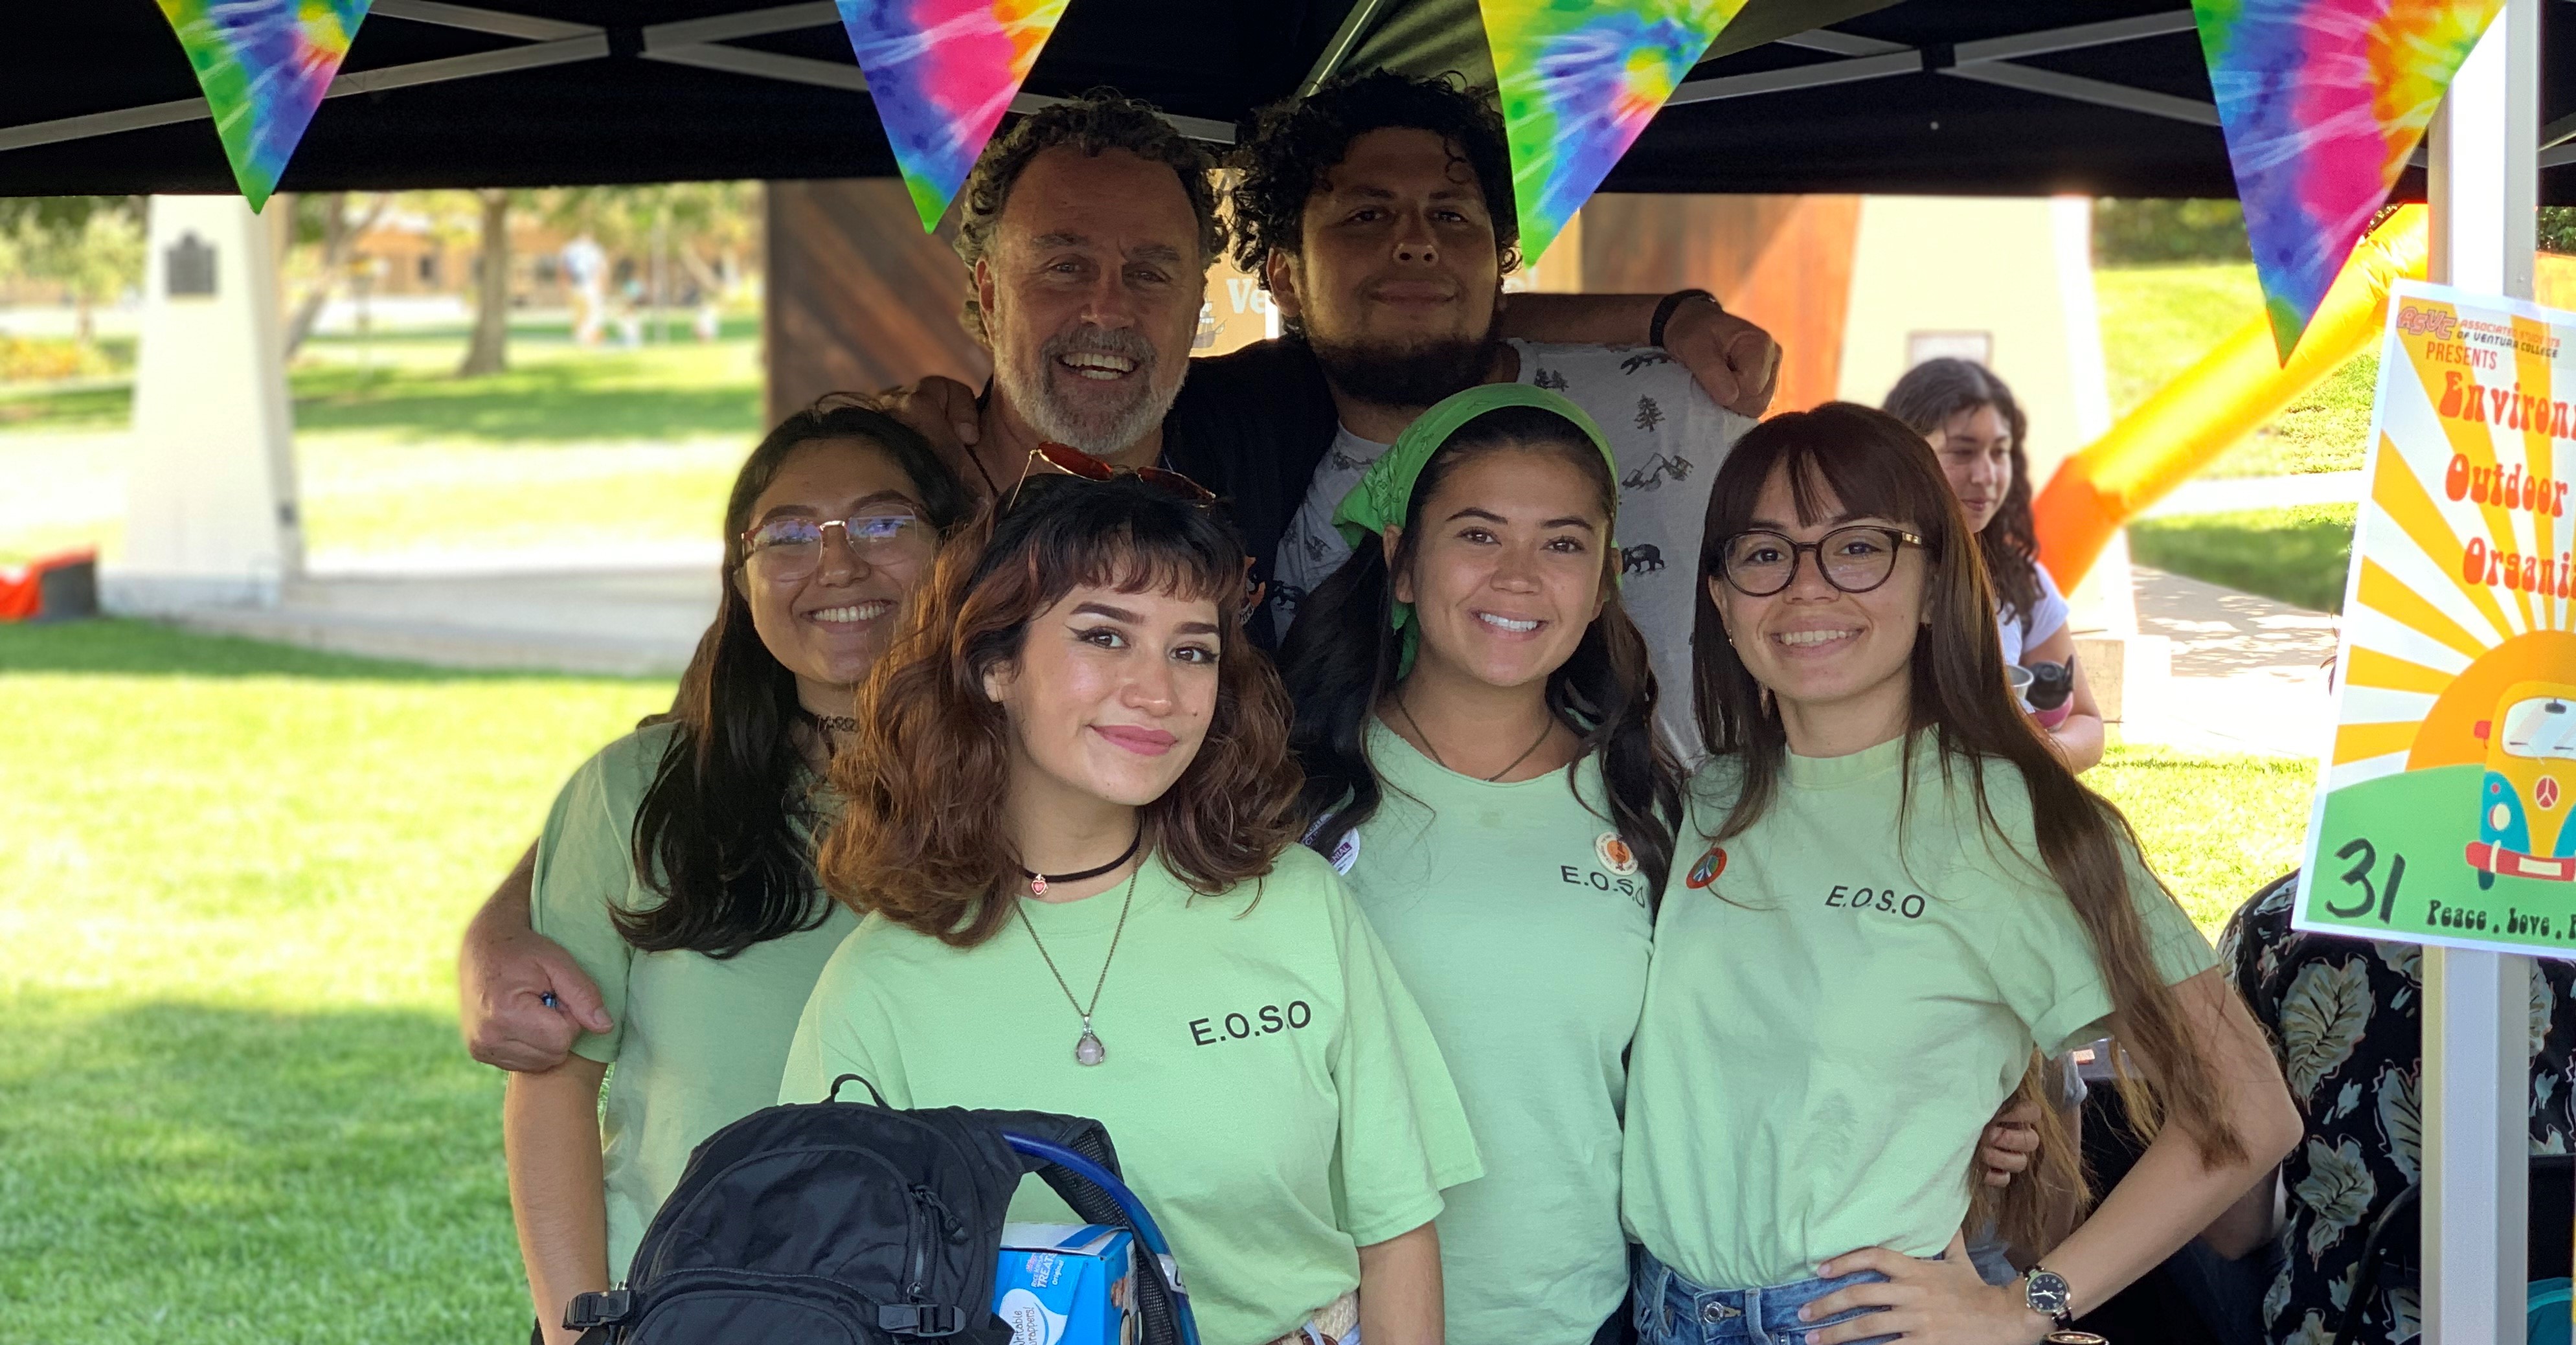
(1346, 853)
(1615, 854)
(1706, 870)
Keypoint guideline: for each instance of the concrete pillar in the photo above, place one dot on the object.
(210, 489)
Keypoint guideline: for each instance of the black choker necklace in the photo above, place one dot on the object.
(1038, 882)
(831, 723)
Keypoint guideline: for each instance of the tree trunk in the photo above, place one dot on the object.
(489, 352)
(338, 237)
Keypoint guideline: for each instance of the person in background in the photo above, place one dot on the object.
(1476, 720)
(1895, 894)
(1070, 819)
(676, 868)
(1978, 431)
(2345, 1017)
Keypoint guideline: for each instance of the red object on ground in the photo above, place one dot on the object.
(22, 587)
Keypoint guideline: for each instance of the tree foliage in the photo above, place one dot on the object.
(2143, 232)
(92, 246)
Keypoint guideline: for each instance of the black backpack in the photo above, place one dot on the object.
(842, 1223)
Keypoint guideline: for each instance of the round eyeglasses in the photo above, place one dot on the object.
(787, 550)
(1854, 559)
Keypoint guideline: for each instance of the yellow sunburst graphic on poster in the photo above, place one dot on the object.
(2443, 799)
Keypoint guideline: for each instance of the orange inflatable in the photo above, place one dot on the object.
(2236, 387)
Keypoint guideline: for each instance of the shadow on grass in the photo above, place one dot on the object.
(142, 648)
(101, 408)
(2298, 555)
(556, 400)
(190, 1173)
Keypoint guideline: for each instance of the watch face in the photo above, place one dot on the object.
(2047, 1292)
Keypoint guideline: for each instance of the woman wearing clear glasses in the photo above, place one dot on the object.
(1889, 892)
(677, 866)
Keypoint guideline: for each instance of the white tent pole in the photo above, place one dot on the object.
(2477, 1006)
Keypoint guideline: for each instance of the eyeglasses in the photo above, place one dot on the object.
(1855, 559)
(1074, 462)
(787, 550)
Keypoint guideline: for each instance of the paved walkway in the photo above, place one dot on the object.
(637, 614)
(2249, 673)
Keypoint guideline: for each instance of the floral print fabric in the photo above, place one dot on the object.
(2346, 1020)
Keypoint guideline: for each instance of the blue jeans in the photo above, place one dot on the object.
(1671, 1310)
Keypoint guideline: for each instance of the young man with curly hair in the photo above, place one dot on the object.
(1379, 213)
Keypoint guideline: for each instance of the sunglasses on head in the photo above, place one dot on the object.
(1074, 462)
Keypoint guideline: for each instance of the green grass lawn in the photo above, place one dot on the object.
(2298, 555)
(2215, 827)
(2158, 320)
(233, 1106)
(232, 1102)
(393, 453)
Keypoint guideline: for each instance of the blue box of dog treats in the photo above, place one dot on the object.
(1066, 1284)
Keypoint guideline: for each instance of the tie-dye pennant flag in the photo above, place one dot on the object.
(2323, 101)
(1579, 79)
(942, 73)
(264, 65)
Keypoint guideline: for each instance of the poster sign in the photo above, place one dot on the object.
(2442, 815)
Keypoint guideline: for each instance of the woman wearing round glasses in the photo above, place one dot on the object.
(677, 865)
(1889, 892)
(1070, 819)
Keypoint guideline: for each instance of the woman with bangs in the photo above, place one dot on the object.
(1071, 826)
(1896, 893)
(1477, 722)
(676, 868)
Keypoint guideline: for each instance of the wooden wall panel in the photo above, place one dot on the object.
(859, 298)
(1782, 261)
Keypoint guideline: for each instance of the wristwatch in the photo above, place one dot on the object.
(2047, 1293)
(1672, 302)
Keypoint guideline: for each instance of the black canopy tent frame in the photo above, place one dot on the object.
(1970, 97)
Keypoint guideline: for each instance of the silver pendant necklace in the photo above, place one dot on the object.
(1087, 1049)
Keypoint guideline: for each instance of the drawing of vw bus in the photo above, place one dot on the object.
(2531, 763)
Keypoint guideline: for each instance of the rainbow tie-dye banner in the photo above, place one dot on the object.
(2323, 101)
(264, 65)
(2444, 801)
(942, 73)
(1579, 80)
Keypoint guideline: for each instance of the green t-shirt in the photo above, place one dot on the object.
(1833, 1017)
(1273, 1094)
(698, 1042)
(1507, 912)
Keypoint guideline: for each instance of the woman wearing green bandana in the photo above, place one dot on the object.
(1476, 721)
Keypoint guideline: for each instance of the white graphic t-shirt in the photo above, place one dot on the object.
(1668, 438)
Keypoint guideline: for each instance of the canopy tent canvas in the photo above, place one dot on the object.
(1962, 97)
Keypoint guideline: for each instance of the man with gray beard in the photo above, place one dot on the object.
(1087, 229)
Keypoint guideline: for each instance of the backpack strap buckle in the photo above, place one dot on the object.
(609, 1308)
(920, 1319)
